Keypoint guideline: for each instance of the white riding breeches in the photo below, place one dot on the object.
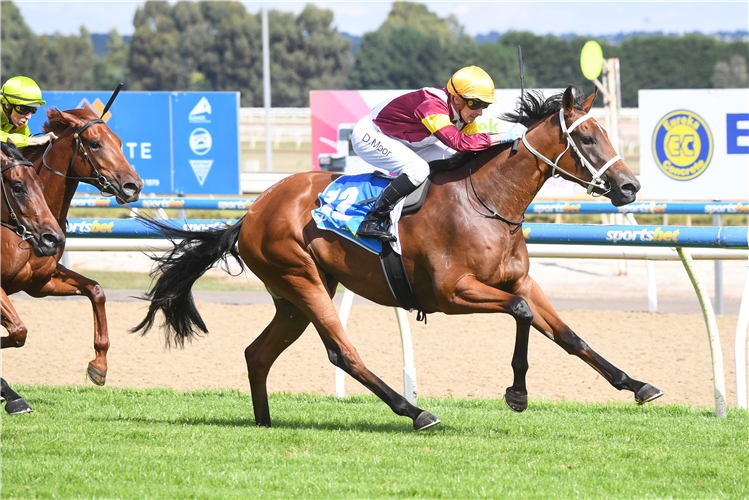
(395, 155)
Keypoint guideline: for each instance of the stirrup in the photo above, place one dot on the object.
(373, 229)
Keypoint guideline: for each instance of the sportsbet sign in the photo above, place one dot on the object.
(694, 144)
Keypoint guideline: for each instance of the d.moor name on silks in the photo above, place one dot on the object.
(656, 234)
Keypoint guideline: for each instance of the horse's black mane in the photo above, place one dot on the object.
(11, 151)
(533, 109)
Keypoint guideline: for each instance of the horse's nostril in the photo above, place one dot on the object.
(51, 240)
(131, 188)
(630, 188)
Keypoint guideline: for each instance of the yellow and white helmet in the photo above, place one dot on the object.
(22, 91)
(472, 82)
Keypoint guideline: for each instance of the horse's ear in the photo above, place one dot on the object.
(568, 100)
(71, 119)
(588, 103)
(53, 113)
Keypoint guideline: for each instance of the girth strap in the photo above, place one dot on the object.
(397, 280)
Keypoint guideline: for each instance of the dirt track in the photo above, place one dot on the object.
(464, 356)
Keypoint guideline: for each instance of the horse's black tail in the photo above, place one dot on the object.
(177, 270)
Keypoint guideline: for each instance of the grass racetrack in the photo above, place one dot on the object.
(159, 443)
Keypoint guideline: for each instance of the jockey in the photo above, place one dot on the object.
(20, 97)
(404, 134)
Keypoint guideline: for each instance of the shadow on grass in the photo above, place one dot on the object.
(400, 426)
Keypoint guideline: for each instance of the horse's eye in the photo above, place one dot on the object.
(588, 139)
(95, 144)
(18, 189)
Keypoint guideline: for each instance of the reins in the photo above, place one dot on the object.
(494, 214)
(15, 225)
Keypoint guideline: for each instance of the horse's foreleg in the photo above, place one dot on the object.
(15, 404)
(17, 330)
(547, 321)
(286, 327)
(472, 296)
(65, 282)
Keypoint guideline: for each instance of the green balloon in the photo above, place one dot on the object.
(591, 60)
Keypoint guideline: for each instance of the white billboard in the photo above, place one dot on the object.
(694, 144)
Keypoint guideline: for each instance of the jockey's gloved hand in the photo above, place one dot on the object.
(516, 132)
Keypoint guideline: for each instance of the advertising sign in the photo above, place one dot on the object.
(694, 144)
(335, 112)
(178, 142)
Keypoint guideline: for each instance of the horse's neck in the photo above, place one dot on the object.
(58, 190)
(508, 184)
(512, 180)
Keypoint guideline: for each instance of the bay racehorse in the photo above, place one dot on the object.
(471, 213)
(86, 150)
(26, 216)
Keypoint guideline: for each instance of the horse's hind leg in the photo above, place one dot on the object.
(303, 286)
(286, 327)
(547, 321)
(15, 404)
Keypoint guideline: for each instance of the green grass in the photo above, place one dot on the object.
(113, 443)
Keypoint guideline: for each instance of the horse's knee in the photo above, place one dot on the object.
(97, 294)
(521, 311)
(255, 363)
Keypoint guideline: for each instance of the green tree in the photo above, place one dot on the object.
(112, 68)
(413, 48)
(69, 62)
(307, 53)
(154, 59)
(21, 49)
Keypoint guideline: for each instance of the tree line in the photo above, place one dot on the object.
(206, 45)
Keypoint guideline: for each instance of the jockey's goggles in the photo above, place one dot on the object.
(475, 104)
(24, 110)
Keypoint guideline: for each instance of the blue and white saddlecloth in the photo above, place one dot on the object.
(342, 211)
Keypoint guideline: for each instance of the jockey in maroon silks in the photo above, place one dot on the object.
(402, 135)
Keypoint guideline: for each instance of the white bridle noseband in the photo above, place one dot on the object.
(596, 182)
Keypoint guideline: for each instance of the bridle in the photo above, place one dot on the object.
(15, 224)
(597, 174)
(103, 182)
(98, 178)
(596, 181)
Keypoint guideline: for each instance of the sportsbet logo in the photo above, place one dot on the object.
(645, 235)
(642, 235)
(682, 145)
(90, 227)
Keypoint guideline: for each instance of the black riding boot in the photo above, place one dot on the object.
(374, 224)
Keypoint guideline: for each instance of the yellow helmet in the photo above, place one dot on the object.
(472, 82)
(23, 91)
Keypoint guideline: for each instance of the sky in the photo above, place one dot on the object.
(359, 17)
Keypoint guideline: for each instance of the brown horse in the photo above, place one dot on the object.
(25, 214)
(488, 270)
(86, 150)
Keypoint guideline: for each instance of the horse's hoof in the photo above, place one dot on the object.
(425, 420)
(647, 393)
(516, 401)
(17, 407)
(98, 377)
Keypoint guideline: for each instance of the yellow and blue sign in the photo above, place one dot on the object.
(682, 145)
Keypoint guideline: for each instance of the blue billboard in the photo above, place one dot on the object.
(178, 142)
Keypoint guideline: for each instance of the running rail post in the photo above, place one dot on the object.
(409, 370)
(719, 382)
(340, 375)
(740, 345)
